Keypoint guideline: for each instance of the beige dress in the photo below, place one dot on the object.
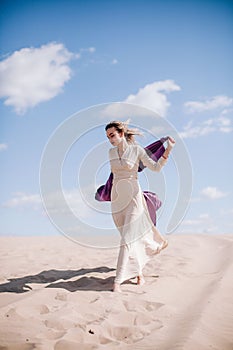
(129, 211)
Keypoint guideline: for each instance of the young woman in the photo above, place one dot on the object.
(139, 237)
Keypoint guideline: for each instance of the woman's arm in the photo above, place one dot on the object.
(150, 163)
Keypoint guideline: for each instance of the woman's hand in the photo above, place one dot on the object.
(170, 143)
(171, 139)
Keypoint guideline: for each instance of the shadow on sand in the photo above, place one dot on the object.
(20, 285)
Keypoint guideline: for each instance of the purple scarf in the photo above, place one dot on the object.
(155, 150)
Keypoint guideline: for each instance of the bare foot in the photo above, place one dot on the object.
(140, 280)
(116, 288)
(163, 245)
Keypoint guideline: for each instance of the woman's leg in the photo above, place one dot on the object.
(140, 280)
(122, 261)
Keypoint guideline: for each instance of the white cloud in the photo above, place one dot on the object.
(128, 110)
(227, 111)
(206, 127)
(91, 49)
(190, 131)
(224, 124)
(73, 202)
(215, 102)
(202, 218)
(213, 193)
(22, 200)
(54, 202)
(226, 212)
(114, 61)
(3, 146)
(204, 223)
(153, 96)
(33, 75)
(223, 121)
(88, 49)
(194, 200)
(219, 124)
(191, 222)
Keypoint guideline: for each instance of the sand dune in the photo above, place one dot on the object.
(55, 294)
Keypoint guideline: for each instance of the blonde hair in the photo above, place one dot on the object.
(122, 127)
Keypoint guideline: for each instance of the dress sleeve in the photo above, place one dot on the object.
(150, 163)
(111, 158)
(111, 153)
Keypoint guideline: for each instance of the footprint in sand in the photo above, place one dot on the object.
(18, 346)
(59, 325)
(61, 296)
(127, 335)
(43, 309)
(104, 340)
(54, 324)
(142, 319)
(14, 315)
(69, 345)
(27, 311)
(51, 334)
(142, 305)
(152, 306)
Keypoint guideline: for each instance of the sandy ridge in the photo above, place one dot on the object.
(186, 302)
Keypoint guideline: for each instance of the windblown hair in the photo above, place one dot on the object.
(122, 127)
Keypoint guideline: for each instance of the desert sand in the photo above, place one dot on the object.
(56, 294)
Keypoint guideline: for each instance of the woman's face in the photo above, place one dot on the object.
(114, 137)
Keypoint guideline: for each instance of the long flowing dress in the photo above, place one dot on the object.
(130, 212)
(155, 150)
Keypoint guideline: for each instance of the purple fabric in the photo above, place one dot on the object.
(153, 204)
(155, 150)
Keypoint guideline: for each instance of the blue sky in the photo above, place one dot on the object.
(62, 57)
